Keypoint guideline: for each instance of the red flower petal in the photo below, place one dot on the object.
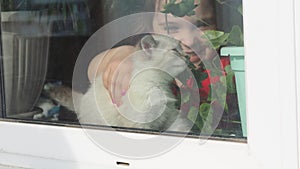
(224, 62)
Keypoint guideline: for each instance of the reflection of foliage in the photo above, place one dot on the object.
(216, 75)
(180, 9)
(128, 6)
(8, 5)
(215, 37)
(225, 2)
(220, 38)
(70, 14)
(220, 81)
(236, 37)
(240, 9)
(119, 8)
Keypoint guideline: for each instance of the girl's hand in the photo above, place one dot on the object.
(115, 69)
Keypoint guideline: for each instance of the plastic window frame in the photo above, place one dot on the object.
(271, 89)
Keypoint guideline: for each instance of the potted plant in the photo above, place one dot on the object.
(236, 55)
(217, 39)
(65, 16)
(68, 17)
(26, 28)
(25, 44)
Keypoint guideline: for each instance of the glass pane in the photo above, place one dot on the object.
(139, 65)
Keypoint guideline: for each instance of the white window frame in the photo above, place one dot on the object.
(297, 51)
(271, 89)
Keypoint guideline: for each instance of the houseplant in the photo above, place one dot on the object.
(236, 55)
(216, 39)
(65, 16)
(25, 44)
(26, 28)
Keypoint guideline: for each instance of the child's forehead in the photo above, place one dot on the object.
(160, 19)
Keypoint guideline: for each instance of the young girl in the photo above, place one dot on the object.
(116, 78)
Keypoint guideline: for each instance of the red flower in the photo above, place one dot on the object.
(206, 83)
(204, 90)
(224, 62)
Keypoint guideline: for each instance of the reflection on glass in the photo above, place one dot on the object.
(42, 39)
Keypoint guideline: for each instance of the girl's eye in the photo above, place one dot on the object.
(172, 29)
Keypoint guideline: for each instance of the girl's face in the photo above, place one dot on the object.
(188, 30)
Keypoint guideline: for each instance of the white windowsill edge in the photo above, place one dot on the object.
(42, 146)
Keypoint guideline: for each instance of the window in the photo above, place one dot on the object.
(266, 142)
(49, 48)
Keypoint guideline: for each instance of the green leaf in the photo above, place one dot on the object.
(218, 132)
(192, 114)
(236, 36)
(186, 98)
(199, 77)
(207, 117)
(180, 9)
(220, 91)
(222, 80)
(230, 80)
(228, 69)
(204, 110)
(217, 43)
(207, 129)
(240, 9)
(213, 34)
(195, 118)
(216, 38)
